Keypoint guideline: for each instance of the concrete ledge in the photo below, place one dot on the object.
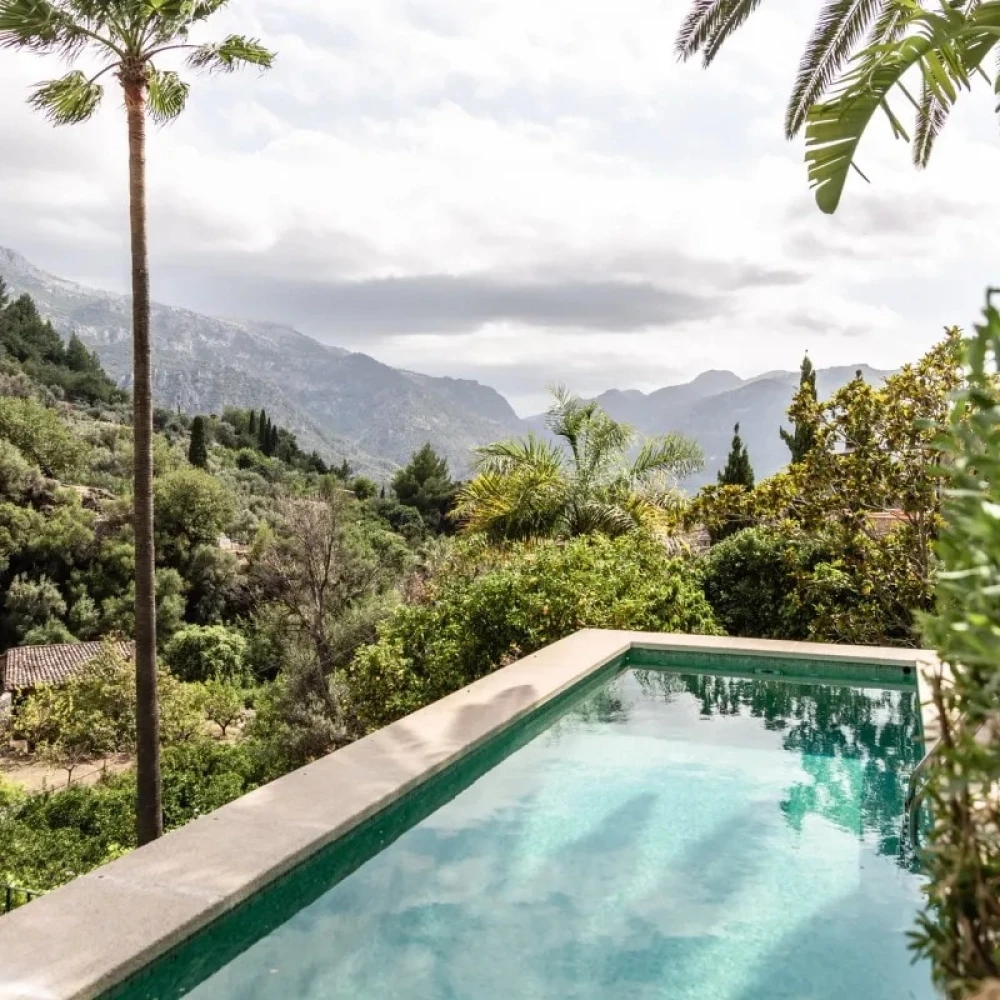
(80, 940)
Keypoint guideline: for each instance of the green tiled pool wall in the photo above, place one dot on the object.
(837, 671)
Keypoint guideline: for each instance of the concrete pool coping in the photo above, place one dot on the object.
(80, 940)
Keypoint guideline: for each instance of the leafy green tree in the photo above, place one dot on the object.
(224, 703)
(206, 652)
(118, 611)
(363, 488)
(192, 509)
(738, 470)
(52, 632)
(755, 581)
(128, 36)
(803, 435)
(41, 436)
(322, 570)
(855, 62)
(530, 488)
(491, 605)
(198, 446)
(17, 475)
(426, 485)
(30, 603)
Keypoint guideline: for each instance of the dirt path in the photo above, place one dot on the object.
(34, 776)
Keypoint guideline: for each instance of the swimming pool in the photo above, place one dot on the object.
(675, 826)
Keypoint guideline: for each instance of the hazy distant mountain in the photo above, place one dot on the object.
(342, 403)
(350, 405)
(708, 407)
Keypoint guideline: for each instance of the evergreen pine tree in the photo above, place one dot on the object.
(273, 440)
(253, 423)
(738, 470)
(426, 485)
(803, 435)
(78, 358)
(198, 448)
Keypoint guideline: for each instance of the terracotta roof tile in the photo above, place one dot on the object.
(27, 667)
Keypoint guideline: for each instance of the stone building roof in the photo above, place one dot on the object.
(27, 667)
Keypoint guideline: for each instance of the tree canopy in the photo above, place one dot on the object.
(587, 480)
(426, 485)
(738, 470)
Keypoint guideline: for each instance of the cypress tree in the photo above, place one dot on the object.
(198, 448)
(253, 423)
(263, 432)
(803, 435)
(738, 470)
(273, 440)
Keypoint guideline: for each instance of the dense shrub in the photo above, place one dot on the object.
(751, 580)
(488, 609)
(829, 586)
(204, 652)
(48, 838)
(41, 436)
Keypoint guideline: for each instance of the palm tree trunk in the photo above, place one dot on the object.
(149, 812)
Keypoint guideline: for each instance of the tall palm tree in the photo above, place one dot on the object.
(128, 36)
(856, 59)
(587, 481)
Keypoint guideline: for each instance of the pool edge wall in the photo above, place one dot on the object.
(90, 935)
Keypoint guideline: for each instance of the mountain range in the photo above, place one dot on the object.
(347, 404)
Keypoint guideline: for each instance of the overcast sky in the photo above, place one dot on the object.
(517, 191)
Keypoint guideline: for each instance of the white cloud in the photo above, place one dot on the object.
(499, 139)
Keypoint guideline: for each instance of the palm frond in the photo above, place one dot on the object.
(675, 455)
(167, 94)
(739, 11)
(70, 99)
(840, 26)
(203, 9)
(40, 26)
(708, 24)
(605, 441)
(525, 503)
(597, 514)
(230, 54)
(931, 117)
(503, 457)
(946, 47)
(569, 418)
(889, 25)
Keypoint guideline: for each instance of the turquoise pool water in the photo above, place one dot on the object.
(665, 834)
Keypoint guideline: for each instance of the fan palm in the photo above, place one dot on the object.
(856, 59)
(588, 480)
(128, 37)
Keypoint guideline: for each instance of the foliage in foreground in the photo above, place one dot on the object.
(960, 928)
(495, 605)
(854, 66)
